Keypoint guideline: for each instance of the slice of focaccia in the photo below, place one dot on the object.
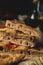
(22, 27)
(18, 37)
(9, 47)
(22, 42)
(14, 48)
(10, 34)
(9, 58)
(6, 33)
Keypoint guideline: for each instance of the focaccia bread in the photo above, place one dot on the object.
(22, 27)
(9, 47)
(14, 46)
(9, 58)
(22, 42)
(6, 33)
(18, 37)
(11, 34)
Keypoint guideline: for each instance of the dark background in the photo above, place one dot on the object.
(15, 6)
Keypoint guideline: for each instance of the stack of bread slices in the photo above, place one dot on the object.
(15, 41)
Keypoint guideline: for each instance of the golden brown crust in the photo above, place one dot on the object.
(11, 34)
(22, 27)
(8, 58)
(7, 33)
(20, 39)
(21, 48)
(36, 51)
(2, 42)
(8, 46)
(23, 42)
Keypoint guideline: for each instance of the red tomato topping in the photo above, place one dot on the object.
(11, 46)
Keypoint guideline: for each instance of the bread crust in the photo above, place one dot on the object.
(22, 27)
(9, 58)
(11, 34)
(22, 42)
(9, 47)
